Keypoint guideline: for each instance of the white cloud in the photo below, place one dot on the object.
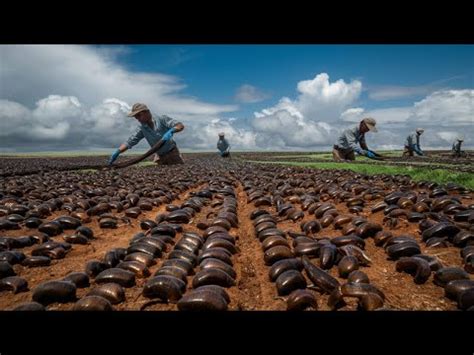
(250, 94)
(32, 72)
(74, 97)
(448, 136)
(390, 92)
(382, 116)
(352, 114)
(447, 107)
(443, 114)
(205, 137)
(13, 117)
(308, 121)
(67, 94)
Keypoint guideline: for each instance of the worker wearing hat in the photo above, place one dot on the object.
(153, 130)
(347, 143)
(223, 146)
(412, 144)
(457, 153)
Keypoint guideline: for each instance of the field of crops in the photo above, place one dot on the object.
(258, 231)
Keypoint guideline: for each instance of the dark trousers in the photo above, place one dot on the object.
(170, 158)
(341, 155)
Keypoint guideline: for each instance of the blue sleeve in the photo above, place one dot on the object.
(168, 122)
(134, 138)
(352, 141)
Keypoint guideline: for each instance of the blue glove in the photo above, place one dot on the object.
(370, 154)
(114, 156)
(167, 136)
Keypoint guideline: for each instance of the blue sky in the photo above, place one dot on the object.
(264, 97)
(214, 72)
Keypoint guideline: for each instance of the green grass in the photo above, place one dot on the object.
(441, 176)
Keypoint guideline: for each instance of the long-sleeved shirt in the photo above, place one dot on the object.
(413, 139)
(457, 146)
(222, 144)
(350, 138)
(153, 135)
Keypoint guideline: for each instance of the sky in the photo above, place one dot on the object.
(264, 97)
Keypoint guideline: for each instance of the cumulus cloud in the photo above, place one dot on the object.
(447, 108)
(448, 136)
(383, 116)
(250, 94)
(76, 97)
(310, 120)
(397, 92)
(62, 121)
(322, 110)
(205, 136)
(444, 114)
(79, 94)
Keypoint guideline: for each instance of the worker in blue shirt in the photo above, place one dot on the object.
(412, 144)
(349, 141)
(153, 130)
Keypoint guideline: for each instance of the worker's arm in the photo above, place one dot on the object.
(363, 144)
(417, 149)
(172, 126)
(353, 143)
(133, 140)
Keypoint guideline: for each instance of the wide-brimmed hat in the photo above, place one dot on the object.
(221, 134)
(137, 108)
(420, 130)
(370, 123)
(460, 138)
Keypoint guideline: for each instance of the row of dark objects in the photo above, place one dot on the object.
(213, 252)
(216, 272)
(286, 210)
(345, 251)
(312, 247)
(184, 213)
(285, 269)
(30, 208)
(415, 208)
(31, 216)
(118, 269)
(408, 256)
(444, 234)
(41, 255)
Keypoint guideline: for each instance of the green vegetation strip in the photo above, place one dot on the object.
(441, 176)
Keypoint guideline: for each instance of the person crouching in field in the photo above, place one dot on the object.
(457, 152)
(223, 146)
(347, 144)
(412, 144)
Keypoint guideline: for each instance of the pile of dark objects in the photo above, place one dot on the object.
(58, 210)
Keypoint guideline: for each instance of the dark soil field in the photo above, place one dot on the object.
(230, 223)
